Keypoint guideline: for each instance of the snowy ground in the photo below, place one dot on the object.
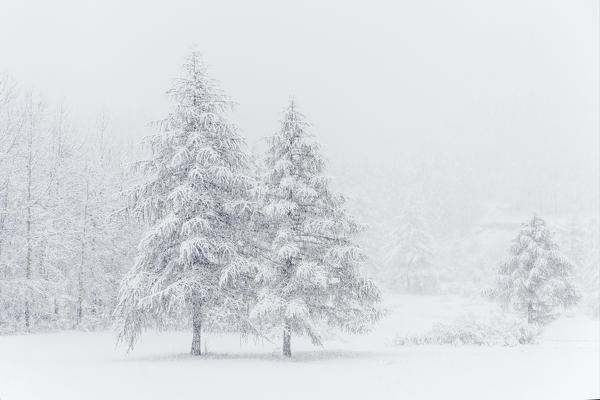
(76, 365)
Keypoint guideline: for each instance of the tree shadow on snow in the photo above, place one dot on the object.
(299, 356)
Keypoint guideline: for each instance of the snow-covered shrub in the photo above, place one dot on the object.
(498, 331)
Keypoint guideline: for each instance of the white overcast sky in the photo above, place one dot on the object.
(506, 80)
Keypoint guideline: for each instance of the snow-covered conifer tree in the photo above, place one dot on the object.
(536, 278)
(312, 275)
(409, 255)
(191, 260)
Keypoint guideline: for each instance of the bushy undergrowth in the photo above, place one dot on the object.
(497, 331)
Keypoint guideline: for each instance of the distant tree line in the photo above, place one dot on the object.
(65, 236)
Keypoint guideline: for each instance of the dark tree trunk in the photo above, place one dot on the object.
(287, 339)
(27, 317)
(529, 313)
(196, 326)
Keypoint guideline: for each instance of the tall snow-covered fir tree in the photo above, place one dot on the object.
(409, 254)
(195, 200)
(312, 277)
(536, 278)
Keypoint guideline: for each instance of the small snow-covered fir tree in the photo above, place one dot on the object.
(536, 278)
(409, 255)
(190, 262)
(313, 273)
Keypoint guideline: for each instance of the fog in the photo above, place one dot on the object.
(455, 251)
(503, 94)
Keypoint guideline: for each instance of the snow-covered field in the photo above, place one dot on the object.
(77, 365)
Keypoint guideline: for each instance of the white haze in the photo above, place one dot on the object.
(463, 133)
(505, 92)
